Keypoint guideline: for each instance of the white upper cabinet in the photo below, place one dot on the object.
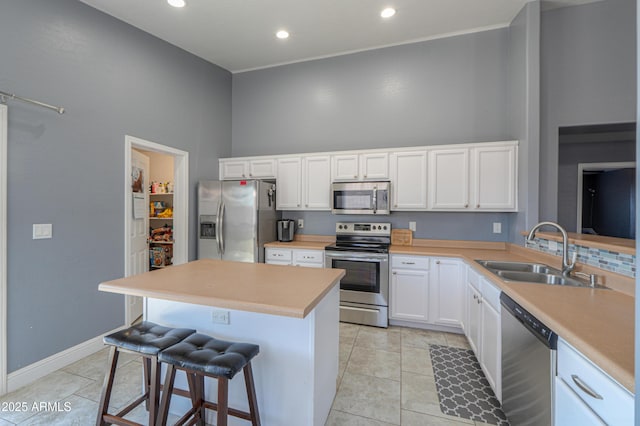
(409, 180)
(259, 168)
(449, 179)
(289, 184)
(474, 178)
(495, 177)
(316, 182)
(369, 166)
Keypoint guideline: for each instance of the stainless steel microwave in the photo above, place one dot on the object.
(360, 197)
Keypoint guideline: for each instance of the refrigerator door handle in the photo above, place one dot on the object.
(218, 229)
(221, 228)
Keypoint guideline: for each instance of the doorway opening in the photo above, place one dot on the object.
(170, 244)
(606, 199)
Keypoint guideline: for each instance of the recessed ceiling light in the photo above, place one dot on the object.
(388, 12)
(177, 3)
(282, 34)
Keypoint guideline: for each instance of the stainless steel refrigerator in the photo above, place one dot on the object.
(236, 219)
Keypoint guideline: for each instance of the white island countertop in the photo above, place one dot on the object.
(251, 287)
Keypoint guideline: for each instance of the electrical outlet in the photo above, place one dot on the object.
(42, 231)
(553, 246)
(300, 223)
(220, 316)
(497, 228)
(412, 226)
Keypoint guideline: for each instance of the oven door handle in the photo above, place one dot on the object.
(352, 308)
(366, 257)
(375, 199)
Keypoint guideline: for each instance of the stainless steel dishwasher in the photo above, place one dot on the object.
(528, 366)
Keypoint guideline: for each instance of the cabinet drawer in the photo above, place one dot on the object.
(410, 262)
(308, 256)
(614, 404)
(473, 277)
(490, 294)
(278, 254)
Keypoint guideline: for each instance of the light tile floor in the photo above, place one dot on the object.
(385, 378)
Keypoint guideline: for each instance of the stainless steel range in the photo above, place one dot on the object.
(362, 249)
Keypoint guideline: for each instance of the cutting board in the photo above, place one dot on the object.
(401, 237)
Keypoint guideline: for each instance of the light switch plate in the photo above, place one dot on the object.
(412, 226)
(553, 245)
(220, 316)
(497, 227)
(42, 231)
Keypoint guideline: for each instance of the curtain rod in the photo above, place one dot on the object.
(4, 95)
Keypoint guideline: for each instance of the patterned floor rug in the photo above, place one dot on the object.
(463, 390)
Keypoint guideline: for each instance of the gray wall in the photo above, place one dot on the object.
(443, 91)
(588, 76)
(524, 112)
(68, 170)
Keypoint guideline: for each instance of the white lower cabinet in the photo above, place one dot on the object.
(426, 290)
(294, 257)
(585, 392)
(483, 328)
(409, 288)
(447, 294)
(570, 409)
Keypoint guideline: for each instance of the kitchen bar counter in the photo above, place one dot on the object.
(597, 322)
(253, 287)
(291, 313)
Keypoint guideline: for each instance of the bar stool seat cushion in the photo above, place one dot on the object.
(211, 356)
(147, 337)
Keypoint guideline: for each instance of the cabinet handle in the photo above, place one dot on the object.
(355, 176)
(586, 388)
(250, 174)
(437, 262)
(365, 176)
(408, 263)
(395, 205)
(479, 300)
(298, 205)
(394, 273)
(306, 205)
(466, 206)
(475, 296)
(477, 206)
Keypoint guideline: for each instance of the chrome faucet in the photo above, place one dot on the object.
(566, 266)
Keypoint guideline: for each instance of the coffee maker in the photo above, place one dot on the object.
(286, 228)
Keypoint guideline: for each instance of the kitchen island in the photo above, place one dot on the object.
(292, 313)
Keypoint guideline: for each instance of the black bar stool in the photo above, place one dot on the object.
(146, 339)
(201, 356)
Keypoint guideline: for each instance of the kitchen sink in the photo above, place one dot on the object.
(531, 273)
(518, 266)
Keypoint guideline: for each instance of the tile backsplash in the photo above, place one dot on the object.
(621, 263)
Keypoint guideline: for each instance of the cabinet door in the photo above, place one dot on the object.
(570, 409)
(317, 182)
(345, 167)
(409, 180)
(262, 168)
(473, 325)
(447, 292)
(409, 297)
(374, 166)
(491, 347)
(495, 178)
(288, 185)
(308, 258)
(233, 169)
(449, 179)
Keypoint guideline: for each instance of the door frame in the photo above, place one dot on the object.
(3, 249)
(585, 167)
(180, 201)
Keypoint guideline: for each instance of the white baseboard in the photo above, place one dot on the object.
(35, 371)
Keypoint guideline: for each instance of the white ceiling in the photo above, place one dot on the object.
(238, 35)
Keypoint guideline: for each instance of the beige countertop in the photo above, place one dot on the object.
(597, 322)
(299, 245)
(255, 287)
